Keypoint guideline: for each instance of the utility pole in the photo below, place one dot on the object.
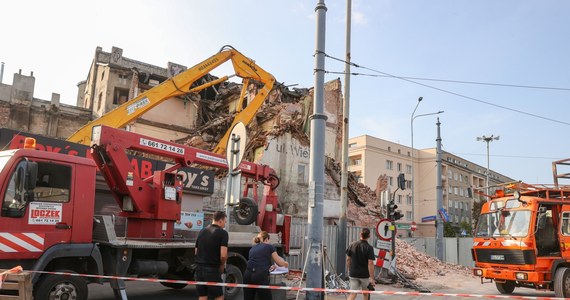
(487, 139)
(439, 200)
(317, 164)
(341, 245)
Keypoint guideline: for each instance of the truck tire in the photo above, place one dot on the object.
(245, 212)
(506, 288)
(562, 283)
(61, 287)
(233, 275)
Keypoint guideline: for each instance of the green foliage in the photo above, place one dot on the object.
(467, 227)
(476, 212)
(449, 230)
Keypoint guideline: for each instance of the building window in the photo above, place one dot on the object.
(399, 199)
(408, 184)
(100, 101)
(351, 145)
(389, 149)
(399, 151)
(389, 165)
(356, 161)
(409, 215)
(390, 180)
(301, 174)
(399, 167)
(408, 169)
(120, 96)
(409, 200)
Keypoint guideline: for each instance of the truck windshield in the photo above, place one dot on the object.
(512, 223)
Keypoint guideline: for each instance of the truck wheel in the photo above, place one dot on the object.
(233, 275)
(506, 288)
(245, 212)
(562, 283)
(61, 287)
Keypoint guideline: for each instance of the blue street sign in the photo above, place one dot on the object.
(444, 214)
(428, 219)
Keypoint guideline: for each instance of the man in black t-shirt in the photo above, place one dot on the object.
(211, 255)
(360, 263)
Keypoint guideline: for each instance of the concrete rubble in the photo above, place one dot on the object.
(417, 265)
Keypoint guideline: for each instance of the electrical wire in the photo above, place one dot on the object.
(448, 92)
(457, 81)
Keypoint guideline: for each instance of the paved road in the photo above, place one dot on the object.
(148, 291)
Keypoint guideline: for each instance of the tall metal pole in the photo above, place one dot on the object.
(317, 163)
(1, 72)
(341, 245)
(412, 183)
(439, 200)
(487, 139)
(412, 156)
(487, 179)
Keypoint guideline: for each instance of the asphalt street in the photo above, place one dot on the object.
(149, 290)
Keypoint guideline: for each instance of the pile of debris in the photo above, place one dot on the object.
(414, 264)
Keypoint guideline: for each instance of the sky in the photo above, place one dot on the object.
(515, 53)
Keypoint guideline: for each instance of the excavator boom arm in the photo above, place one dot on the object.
(180, 85)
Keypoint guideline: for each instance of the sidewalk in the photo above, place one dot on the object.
(448, 284)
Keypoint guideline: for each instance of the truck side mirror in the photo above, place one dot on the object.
(402, 181)
(31, 175)
(541, 223)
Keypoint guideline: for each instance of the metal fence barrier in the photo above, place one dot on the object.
(457, 250)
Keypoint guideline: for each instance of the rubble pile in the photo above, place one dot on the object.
(414, 264)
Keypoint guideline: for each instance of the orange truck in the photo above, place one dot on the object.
(522, 238)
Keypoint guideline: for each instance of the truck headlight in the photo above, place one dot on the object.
(478, 272)
(521, 276)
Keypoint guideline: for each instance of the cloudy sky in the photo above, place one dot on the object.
(494, 67)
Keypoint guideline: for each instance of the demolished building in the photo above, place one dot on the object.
(278, 135)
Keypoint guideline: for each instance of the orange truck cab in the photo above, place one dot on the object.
(522, 239)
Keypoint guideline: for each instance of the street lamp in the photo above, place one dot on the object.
(487, 139)
(412, 118)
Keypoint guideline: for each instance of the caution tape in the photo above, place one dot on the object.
(14, 270)
(300, 289)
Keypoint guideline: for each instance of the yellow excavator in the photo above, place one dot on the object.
(181, 84)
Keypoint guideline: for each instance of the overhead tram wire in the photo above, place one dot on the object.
(448, 92)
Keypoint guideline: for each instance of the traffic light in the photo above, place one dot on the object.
(393, 214)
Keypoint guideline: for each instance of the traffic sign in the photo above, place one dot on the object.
(404, 226)
(383, 231)
(428, 219)
(414, 226)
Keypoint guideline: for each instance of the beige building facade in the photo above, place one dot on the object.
(371, 157)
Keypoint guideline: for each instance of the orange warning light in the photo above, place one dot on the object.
(30, 143)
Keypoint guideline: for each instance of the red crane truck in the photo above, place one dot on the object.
(48, 220)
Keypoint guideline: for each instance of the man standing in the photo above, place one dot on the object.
(211, 255)
(360, 264)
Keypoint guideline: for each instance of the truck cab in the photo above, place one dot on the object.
(46, 220)
(520, 240)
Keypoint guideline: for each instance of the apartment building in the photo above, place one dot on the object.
(371, 157)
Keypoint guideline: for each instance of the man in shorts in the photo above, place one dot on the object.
(211, 255)
(360, 264)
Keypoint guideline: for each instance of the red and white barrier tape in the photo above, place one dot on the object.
(301, 289)
(14, 270)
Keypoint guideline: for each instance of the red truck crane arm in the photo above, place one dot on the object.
(154, 203)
